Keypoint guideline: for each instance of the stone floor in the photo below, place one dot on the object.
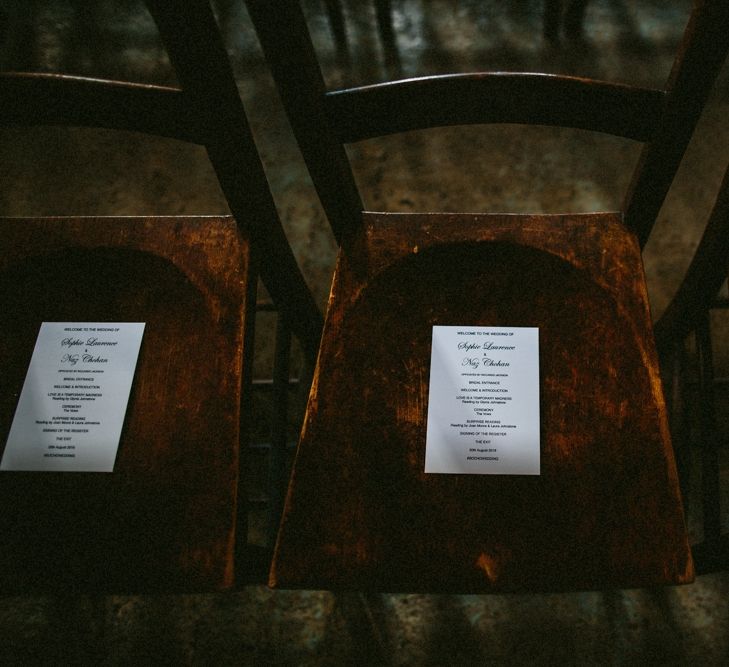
(47, 171)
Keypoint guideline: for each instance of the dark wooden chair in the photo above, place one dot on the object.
(689, 315)
(605, 510)
(173, 514)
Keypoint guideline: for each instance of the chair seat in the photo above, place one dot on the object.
(164, 519)
(604, 512)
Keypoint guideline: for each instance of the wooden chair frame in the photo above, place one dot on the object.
(349, 532)
(205, 109)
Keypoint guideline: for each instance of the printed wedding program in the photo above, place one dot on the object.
(71, 409)
(483, 407)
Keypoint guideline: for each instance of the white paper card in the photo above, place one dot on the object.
(71, 409)
(483, 407)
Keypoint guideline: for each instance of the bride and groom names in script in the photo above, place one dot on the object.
(73, 402)
(483, 406)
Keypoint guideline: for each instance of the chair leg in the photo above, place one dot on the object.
(246, 560)
(707, 434)
(279, 428)
(679, 415)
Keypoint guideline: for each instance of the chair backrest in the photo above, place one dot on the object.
(206, 109)
(324, 121)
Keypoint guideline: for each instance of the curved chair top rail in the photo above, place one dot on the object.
(323, 121)
(704, 277)
(31, 99)
(494, 97)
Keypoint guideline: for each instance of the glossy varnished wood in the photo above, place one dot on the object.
(165, 518)
(605, 511)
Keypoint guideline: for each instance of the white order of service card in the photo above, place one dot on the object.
(483, 406)
(73, 402)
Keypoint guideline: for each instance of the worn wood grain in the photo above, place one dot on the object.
(605, 511)
(165, 518)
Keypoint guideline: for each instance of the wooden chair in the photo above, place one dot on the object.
(688, 315)
(605, 510)
(173, 514)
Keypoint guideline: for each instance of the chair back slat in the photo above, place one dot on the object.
(57, 99)
(502, 97)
